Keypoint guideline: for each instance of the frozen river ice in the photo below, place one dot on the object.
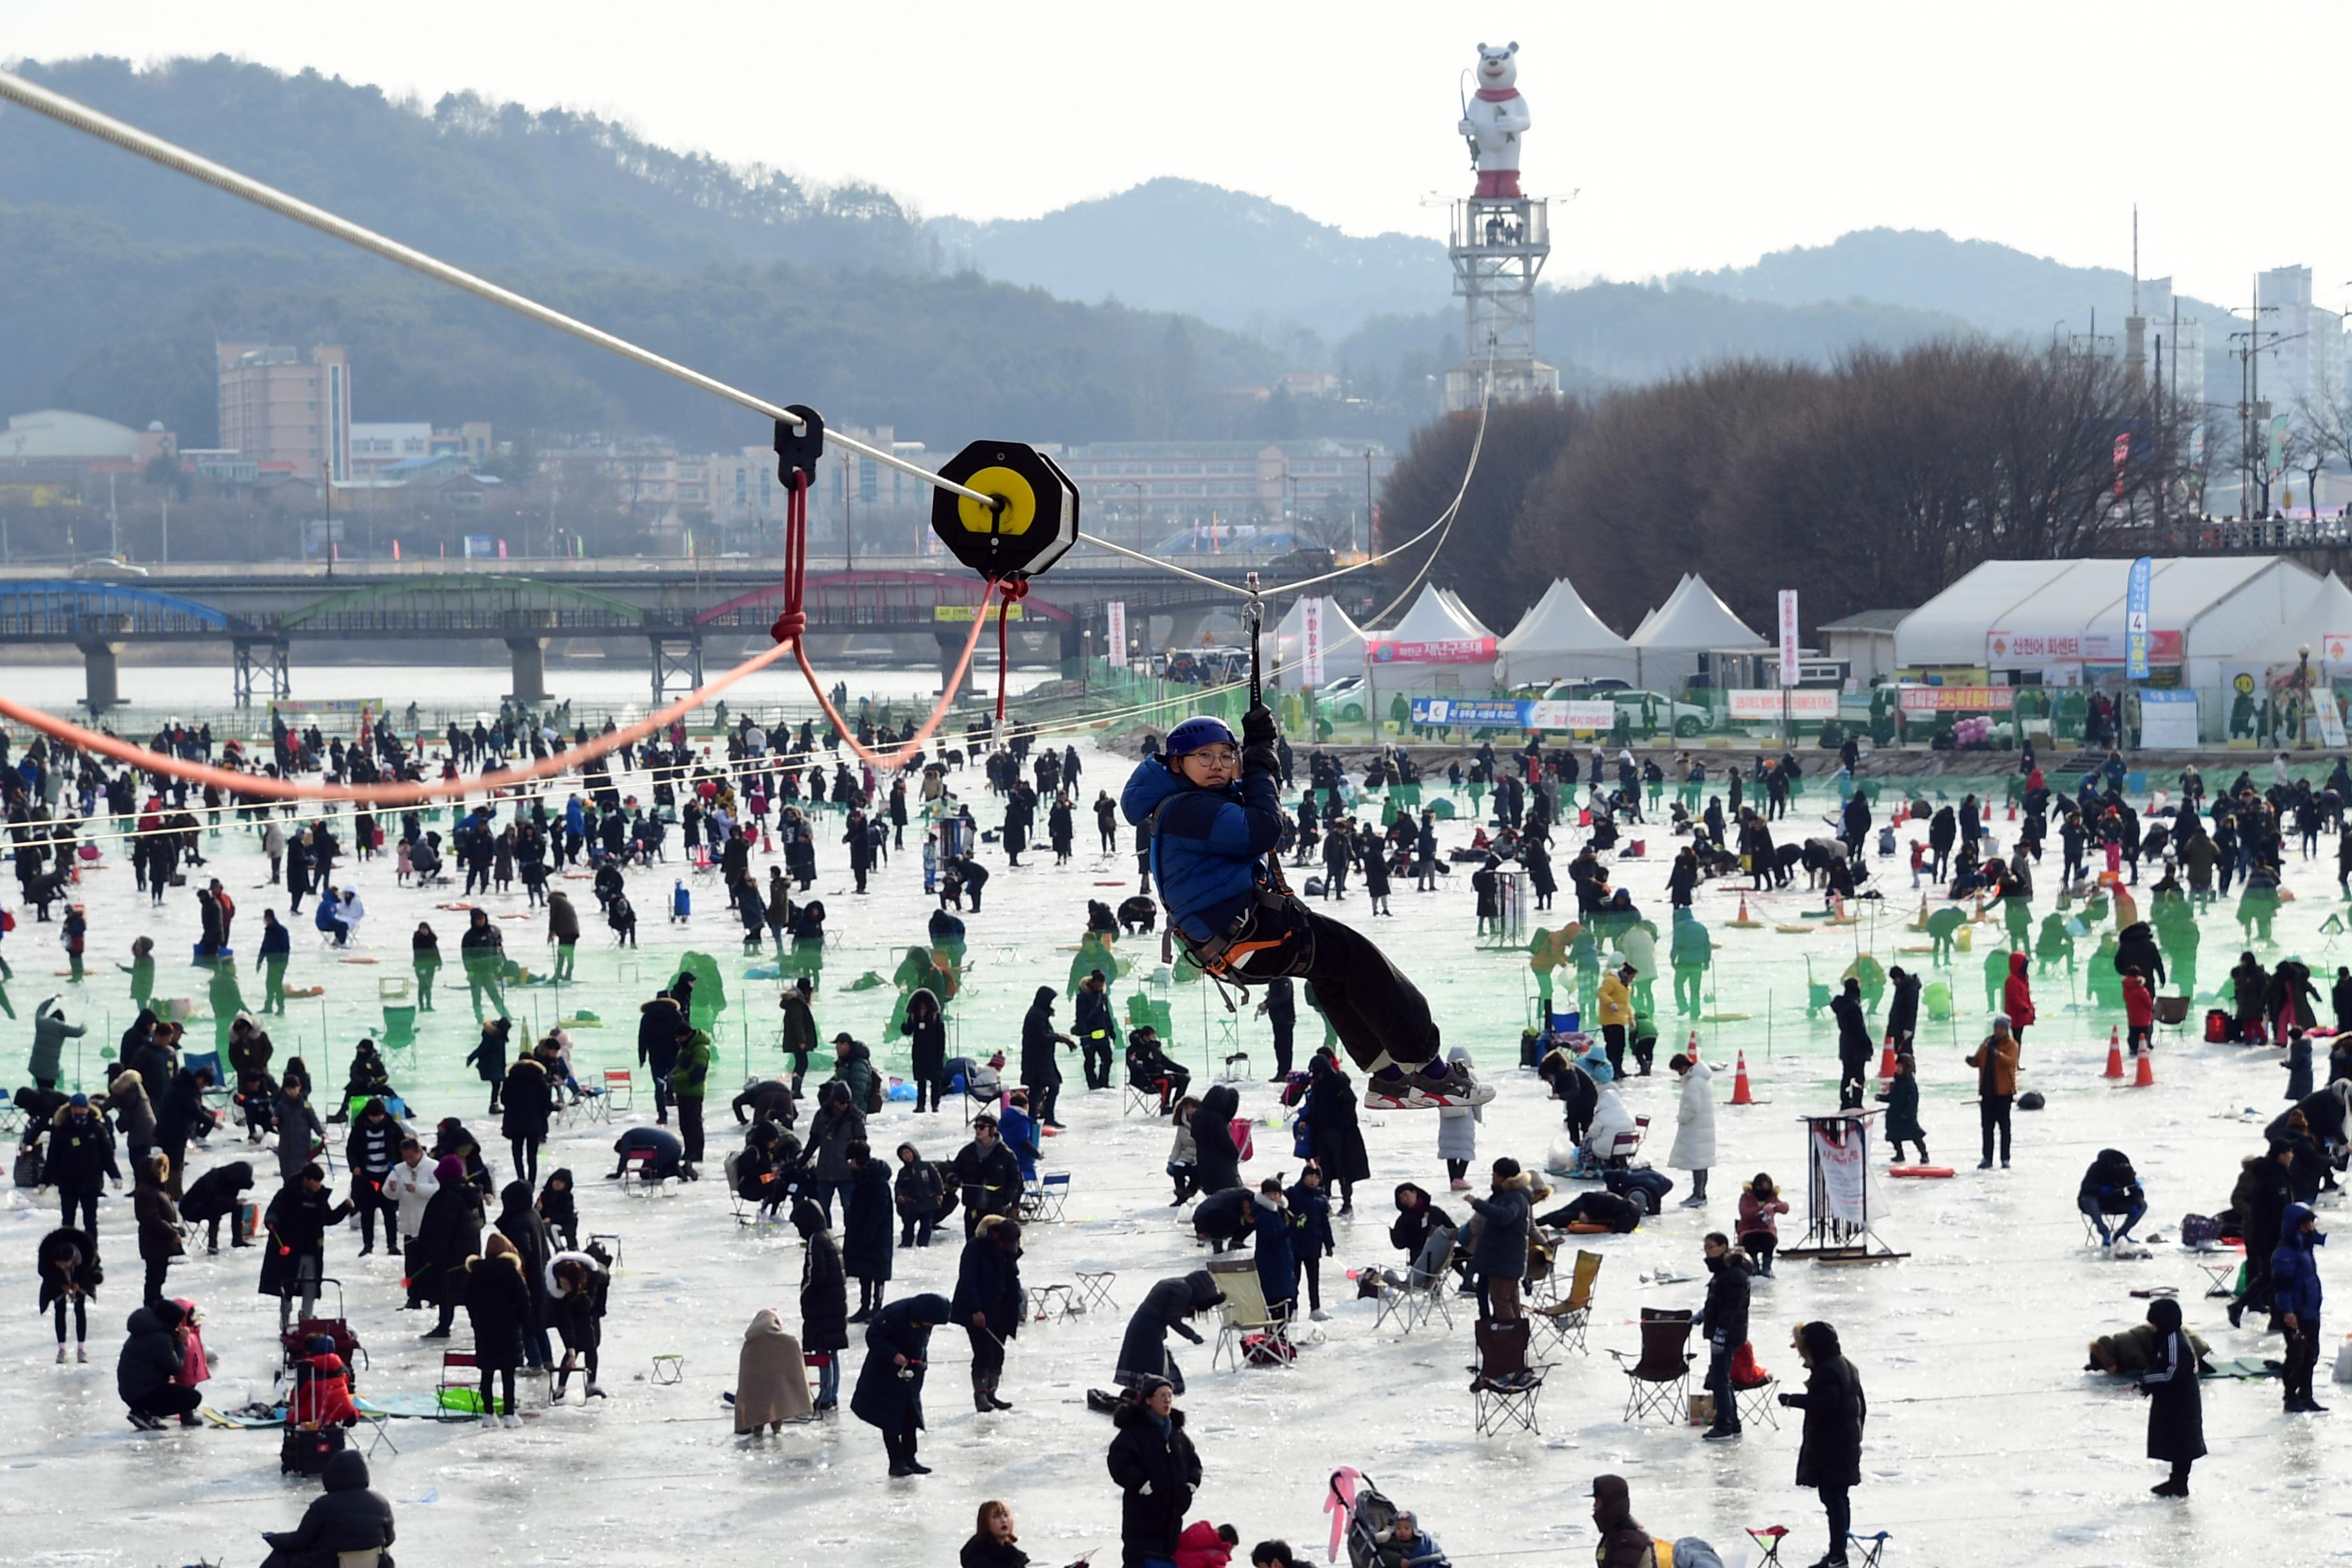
(1987, 1444)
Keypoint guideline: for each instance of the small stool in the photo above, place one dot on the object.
(669, 1370)
(1094, 1290)
(1233, 1073)
(612, 1240)
(1048, 1301)
(1769, 1541)
(1872, 1547)
(2223, 1273)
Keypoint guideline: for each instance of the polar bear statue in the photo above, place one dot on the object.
(1493, 121)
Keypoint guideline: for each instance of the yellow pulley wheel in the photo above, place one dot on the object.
(1019, 510)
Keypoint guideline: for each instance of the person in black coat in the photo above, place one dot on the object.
(346, 1517)
(1724, 1320)
(988, 1175)
(929, 1032)
(212, 1197)
(868, 1234)
(1574, 1088)
(449, 1234)
(520, 1223)
(81, 1159)
(1853, 1044)
(2176, 1411)
(293, 1259)
(1041, 1075)
(1096, 1029)
(1828, 1454)
(1143, 1352)
(889, 1394)
(498, 1305)
(1217, 1162)
(1156, 1468)
(1902, 1008)
(71, 1272)
(151, 1358)
(1337, 1144)
(825, 1299)
(989, 1303)
(576, 1286)
(529, 1102)
(1224, 1219)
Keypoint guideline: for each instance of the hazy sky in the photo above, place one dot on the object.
(1698, 133)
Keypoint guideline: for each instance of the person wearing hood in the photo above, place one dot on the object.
(450, 1137)
(301, 1136)
(294, 1257)
(2264, 1191)
(825, 1299)
(498, 1305)
(927, 1031)
(1694, 1149)
(1096, 1029)
(1040, 1074)
(1156, 1468)
(866, 1229)
(2017, 997)
(528, 1104)
(659, 1024)
(771, 1377)
(2176, 1411)
(134, 1114)
(67, 1262)
(889, 1392)
(1854, 1043)
(449, 1234)
(2109, 1187)
(1996, 1065)
(689, 1083)
(344, 1520)
(1143, 1350)
(1334, 1140)
(214, 1197)
(489, 1059)
(520, 1223)
(918, 1193)
(1425, 1233)
(989, 1303)
(145, 1373)
(1828, 1454)
(1499, 1259)
(2296, 1297)
(50, 1033)
(1611, 1120)
(1623, 1543)
(835, 1126)
(160, 1230)
(558, 1209)
(1723, 1319)
(799, 1035)
(1217, 1160)
(576, 1284)
(2298, 1065)
(1902, 1008)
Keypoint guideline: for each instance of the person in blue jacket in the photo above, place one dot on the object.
(2296, 1297)
(1277, 1261)
(1213, 821)
(889, 1392)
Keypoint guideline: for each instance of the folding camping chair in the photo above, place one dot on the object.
(1422, 1297)
(447, 1389)
(1768, 1539)
(1657, 1381)
(1869, 1548)
(1622, 1148)
(1144, 1095)
(617, 1092)
(12, 1115)
(379, 1429)
(1042, 1198)
(1756, 1401)
(1244, 1313)
(1092, 1292)
(1503, 1392)
(1569, 1318)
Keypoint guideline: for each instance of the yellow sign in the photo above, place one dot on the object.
(966, 612)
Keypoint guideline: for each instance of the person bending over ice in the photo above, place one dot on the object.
(1210, 810)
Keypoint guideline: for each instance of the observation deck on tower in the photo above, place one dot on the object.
(1498, 248)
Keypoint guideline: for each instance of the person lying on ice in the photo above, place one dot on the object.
(1213, 821)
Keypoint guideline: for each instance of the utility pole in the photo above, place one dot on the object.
(1370, 543)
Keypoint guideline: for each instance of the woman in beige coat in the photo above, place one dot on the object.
(771, 1381)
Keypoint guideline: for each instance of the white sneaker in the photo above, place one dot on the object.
(489, 1420)
(512, 1420)
(1319, 1315)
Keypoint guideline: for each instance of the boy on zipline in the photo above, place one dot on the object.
(1214, 821)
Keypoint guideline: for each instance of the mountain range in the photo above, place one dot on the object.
(1120, 317)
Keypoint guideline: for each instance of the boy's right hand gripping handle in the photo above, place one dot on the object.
(1258, 738)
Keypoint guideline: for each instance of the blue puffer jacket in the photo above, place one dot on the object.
(2294, 1271)
(1207, 848)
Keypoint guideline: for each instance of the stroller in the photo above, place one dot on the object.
(1364, 1517)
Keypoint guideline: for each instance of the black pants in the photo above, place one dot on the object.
(987, 1358)
(1839, 1503)
(81, 1317)
(2302, 1356)
(1612, 1039)
(800, 1069)
(1850, 1081)
(1379, 1015)
(1310, 1269)
(900, 1446)
(489, 1372)
(156, 1268)
(1097, 1057)
(1760, 1244)
(369, 1198)
(1992, 1111)
(1718, 1383)
(1283, 1030)
(172, 1399)
(526, 1155)
(1044, 1099)
(931, 1091)
(87, 1203)
(690, 1129)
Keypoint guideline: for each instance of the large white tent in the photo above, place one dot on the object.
(1438, 644)
(2050, 618)
(1692, 622)
(1561, 638)
(1343, 645)
(2322, 624)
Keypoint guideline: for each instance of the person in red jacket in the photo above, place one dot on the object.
(1206, 1545)
(2017, 997)
(323, 1389)
(2139, 1012)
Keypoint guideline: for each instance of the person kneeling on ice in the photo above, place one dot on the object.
(1210, 810)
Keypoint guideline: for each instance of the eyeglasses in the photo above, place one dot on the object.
(1224, 756)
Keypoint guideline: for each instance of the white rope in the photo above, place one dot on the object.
(67, 113)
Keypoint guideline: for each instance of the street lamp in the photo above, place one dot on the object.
(2303, 698)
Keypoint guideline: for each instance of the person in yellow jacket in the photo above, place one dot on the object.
(1617, 1014)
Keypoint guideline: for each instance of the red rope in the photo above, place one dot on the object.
(1012, 588)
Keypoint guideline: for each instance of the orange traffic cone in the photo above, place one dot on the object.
(1740, 1093)
(2114, 1055)
(1886, 1058)
(2012, 811)
(767, 846)
(1691, 1050)
(2146, 1077)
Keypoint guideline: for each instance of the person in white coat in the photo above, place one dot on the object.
(1694, 1149)
(410, 1184)
(1458, 1130)
(1610, 1120)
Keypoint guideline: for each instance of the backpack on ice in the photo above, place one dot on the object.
(1268, 1350)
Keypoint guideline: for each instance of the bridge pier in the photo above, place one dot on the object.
(102, 686)
(950, 650)
(528, 656)
(272, 670)
(677, 666)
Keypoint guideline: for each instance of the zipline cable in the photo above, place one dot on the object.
(154, 149)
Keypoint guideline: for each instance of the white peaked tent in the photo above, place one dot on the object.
(1562, 639)
(1343, 646)
(1437, 617)
(1647, 620)
(1691, 621)
(2323, 623)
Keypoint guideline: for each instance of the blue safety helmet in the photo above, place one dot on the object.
(1194, 733)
